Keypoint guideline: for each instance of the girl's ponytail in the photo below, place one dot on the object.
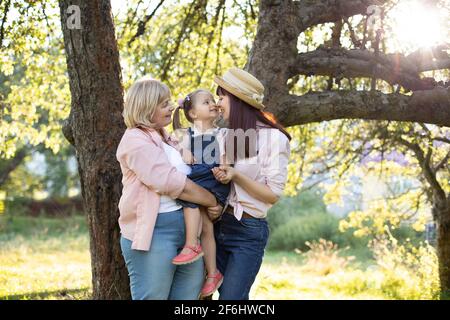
(176, 122)
(185, 104)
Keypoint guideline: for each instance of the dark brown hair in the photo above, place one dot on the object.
(244, 116)
(186, 105)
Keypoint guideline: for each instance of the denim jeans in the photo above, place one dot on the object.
(240, 250)
(152, 274)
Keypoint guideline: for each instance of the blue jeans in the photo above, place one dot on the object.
(240, 250)
(152, 274)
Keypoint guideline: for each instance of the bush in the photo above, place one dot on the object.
(299, 230)
(406, 233)
(324, 258)
(49, 207)
(304, 204)
(296, 220)
(401, 271)
(410, 272)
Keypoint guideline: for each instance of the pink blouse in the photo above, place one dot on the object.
(268, 167)
(147, 174)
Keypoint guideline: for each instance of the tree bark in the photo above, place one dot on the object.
(392, 68)
(433, 105)
(95, 127)
(10, 165)
(441, 211)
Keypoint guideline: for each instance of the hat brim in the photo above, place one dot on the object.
(222, 83)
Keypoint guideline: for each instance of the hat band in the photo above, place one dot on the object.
(255, 96)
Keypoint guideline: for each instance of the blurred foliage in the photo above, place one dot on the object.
(410, 272)
(34, 87)
(324, 257)
(295, 221)
(34, 92)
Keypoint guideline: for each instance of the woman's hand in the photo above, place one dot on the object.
(214, 212)
(224, 174)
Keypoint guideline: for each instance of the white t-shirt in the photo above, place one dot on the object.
(166, 203)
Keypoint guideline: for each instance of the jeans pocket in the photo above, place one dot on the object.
(254, 229)
(251, 223)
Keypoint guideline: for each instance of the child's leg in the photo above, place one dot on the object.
(192, 220)
(208, 243)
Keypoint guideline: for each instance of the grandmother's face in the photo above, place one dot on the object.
(163, 114)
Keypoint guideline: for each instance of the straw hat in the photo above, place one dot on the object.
(243, 85)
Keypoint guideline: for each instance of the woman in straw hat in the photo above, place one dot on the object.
(257, 152)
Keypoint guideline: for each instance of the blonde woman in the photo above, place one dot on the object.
(151, 221)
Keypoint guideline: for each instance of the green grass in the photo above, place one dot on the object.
(44, 258)
(285, 276)
(48, 258)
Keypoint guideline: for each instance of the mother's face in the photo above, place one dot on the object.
(224, 106)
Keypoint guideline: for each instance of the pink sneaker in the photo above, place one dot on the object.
(185, 258)
(210, 287)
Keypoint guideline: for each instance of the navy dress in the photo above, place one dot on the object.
(205, 149)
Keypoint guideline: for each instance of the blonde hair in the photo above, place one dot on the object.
(141, 101)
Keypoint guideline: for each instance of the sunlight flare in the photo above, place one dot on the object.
(416, 25)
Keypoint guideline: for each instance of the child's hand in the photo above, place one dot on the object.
(224, 174)
(187, 156)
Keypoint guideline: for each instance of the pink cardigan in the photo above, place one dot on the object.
(147, 174)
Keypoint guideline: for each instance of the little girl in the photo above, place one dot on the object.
(201, 150)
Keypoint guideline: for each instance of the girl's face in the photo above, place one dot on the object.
(204, 108)
(224, 106)
(163, 114)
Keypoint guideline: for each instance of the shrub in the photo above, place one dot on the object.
(295, 220)
(410, 272)
(402, 271)
(50, 207)
(324, 258)
(295, 233)
(306, 203)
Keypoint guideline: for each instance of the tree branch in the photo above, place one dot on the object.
(130, 21)
(426, 169)
(442, 139)
(392, 68)
(142, 24)
(430, 106)
(12, 164)
(215, 21)
(313, 12)
(5, 17)
(442, 163)
(194, 9)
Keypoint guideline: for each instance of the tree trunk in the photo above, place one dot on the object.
(442, 216)
(9, 166)
(95, 127)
